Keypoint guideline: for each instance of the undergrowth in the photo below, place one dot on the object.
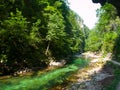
(44, 81)
(116, 73)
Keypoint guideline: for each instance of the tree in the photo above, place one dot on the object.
(14, 38)
(104, 34)
(94, 41)
(32, 31)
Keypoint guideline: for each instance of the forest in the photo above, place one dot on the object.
(34, 32)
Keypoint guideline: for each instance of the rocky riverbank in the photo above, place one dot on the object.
(96, 75)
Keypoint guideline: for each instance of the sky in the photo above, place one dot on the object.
(86, 9)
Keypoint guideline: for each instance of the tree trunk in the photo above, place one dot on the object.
(46, 52)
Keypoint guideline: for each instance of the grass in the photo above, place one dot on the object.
(44, 81)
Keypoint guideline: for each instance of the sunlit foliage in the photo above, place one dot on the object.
(33, 31)
(106, 31)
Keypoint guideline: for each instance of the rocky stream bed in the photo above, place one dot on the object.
(96, 76)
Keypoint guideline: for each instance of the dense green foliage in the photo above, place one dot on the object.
(104, 35)
(32, 31)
